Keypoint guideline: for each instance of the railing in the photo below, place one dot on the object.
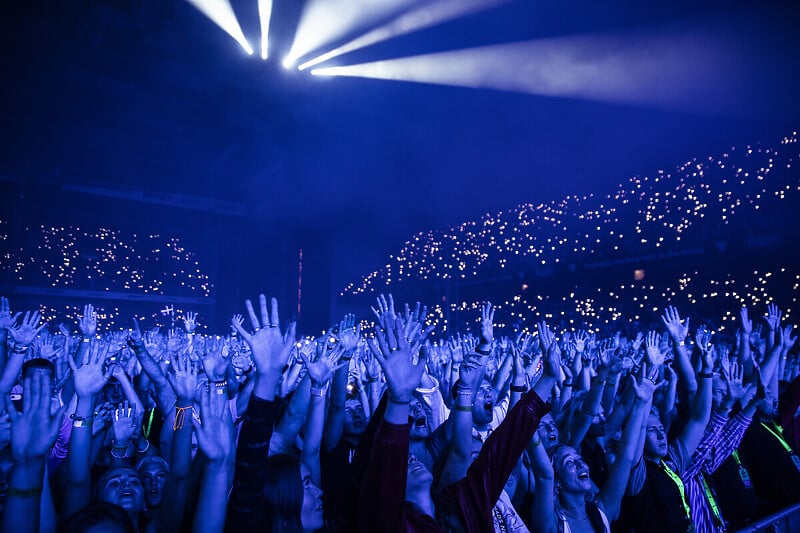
(785, 521)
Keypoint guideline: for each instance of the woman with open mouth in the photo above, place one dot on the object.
(564, 498)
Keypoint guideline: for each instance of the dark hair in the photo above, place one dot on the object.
(39, 363)
(283, 494)
(97, 514)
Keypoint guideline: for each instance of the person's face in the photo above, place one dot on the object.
(311, 514)
(123, 487)
(655, 444)
(419, 420)
(571, 471)
(113, 392)
(154, 476)
(355, 421)
(719, 391)
(548, 432)
(483, 405)
(598, 427)
(419, 477)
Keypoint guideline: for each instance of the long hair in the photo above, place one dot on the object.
(283, 495)
(98, 514)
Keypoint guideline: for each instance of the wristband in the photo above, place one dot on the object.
(567, 384)
(180, 417)
(19, 349)
(146, 446)
(373, 380)
(705, 375)
(464, 408)
(82, 423)
(124, 453)
(484, 352)
(681, 343)
(221, 386)
(519, 388)
(87, 339)
(23, 493)
(319, 392)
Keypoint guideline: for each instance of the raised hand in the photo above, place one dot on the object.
(643, 386)
(190, 322)
(214, 362)
(395, 355)
(551, 365)
(787, 340)
(88, 322)
(215, 429)
(321, 370)
(487, 319)
(183, 377)
(747, 324)
(24, 333)
(672, 320)
(6, 318)
(385, 311)
(270, 350)
(349, 332)
(734, 382)
(89, 378)
(653, 348)
(471, 371)
(545, 336)
(124, 423)
(34, 430)
(174, 341)
(773, 317)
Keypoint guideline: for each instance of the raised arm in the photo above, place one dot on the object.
(270, 351)
(215, 439)
(613, 489)
(460, 455)
(678, 331)
(701, 405)
(320, 372)
(22, 335)
(32, 434)
(89, 379)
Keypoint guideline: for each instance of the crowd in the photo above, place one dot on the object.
(742, 195)
(674, 428)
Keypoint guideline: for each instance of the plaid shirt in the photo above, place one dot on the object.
(721, 438)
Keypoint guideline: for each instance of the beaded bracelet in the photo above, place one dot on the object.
(180, 417)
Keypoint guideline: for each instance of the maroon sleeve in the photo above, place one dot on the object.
(383, 489)
(475, 495)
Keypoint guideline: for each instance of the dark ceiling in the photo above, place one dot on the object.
(151, 96)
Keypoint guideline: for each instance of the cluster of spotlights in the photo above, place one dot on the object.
(326, 21)
(624, 67)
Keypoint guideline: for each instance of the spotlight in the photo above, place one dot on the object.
(221, 13)
(325, 21)
(287, 62)
(264, 15)
(419, 18)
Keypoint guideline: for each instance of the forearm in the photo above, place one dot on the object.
(130, 393)
(292, 420)
(460, 454)
(313, 435)
(213, 498)
(10, 372)
(24, 497)
(610, 393)
(335, 422)
(78, 493)
(685, 371)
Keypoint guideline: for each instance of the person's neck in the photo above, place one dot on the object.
(422, 499)
(573, 503)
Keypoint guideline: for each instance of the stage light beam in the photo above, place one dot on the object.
(677, 68)
(221, 13)
(417, 19)
(325, 21)
(264, 16)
